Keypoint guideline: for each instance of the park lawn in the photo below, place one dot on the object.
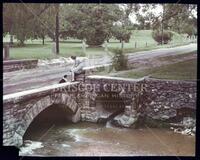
(144, 41)
(35, 49)
(40, 51)
(185, 70)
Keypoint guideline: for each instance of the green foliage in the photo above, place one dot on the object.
(45, 24)
(121, 34)
(16, 23)
(27, 21)
(190, 30)
(119, 60)
(177, 17)
(158, 36)
(174, 17)
(92, 22)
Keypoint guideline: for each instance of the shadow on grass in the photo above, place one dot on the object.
(28, 45)
(65, 41)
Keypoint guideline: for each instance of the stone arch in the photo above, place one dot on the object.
(29, 116)
(40, 105)
(66, 100)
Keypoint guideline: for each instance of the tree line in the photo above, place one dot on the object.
(94, 23)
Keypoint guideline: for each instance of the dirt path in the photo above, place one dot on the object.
(43, 76)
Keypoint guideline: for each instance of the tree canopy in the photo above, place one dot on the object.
(95, 23)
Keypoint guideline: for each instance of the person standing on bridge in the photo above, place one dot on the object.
(79, 64)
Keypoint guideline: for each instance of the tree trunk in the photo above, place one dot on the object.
(6, 52)
(11, 39)
(162, 33)
(42, 40)
(21, 42)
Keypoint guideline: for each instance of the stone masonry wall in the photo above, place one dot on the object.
(161, 99)
(164, 97)
(125, 88)
(13, 65)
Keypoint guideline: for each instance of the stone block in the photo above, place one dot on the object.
(76, 118)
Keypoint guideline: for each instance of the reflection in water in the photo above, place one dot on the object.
(96, 139)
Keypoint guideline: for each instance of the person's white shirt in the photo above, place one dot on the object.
(79, 64)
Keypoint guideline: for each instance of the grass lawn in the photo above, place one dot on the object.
(35, 49)
(186, 70)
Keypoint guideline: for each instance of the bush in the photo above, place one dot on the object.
(190, 30)
(119, 60)
(167, 36)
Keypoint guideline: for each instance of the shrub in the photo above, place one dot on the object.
(190, 30)
(119, 60)
(167, 36)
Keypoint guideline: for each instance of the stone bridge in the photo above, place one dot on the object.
(21, 108)
(96, 98)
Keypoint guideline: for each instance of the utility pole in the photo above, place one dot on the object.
(162, 32)
(162, 24)
(57, 28)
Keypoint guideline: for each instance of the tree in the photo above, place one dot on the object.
(8, 20)
(92, 22)
(45, 24)
(21, 29)
(27, 20)
(129, 9)
(121, 34)
(175, 16)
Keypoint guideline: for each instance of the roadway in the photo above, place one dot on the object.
(22, 80)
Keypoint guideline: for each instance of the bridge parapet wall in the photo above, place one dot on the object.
(13, 65)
